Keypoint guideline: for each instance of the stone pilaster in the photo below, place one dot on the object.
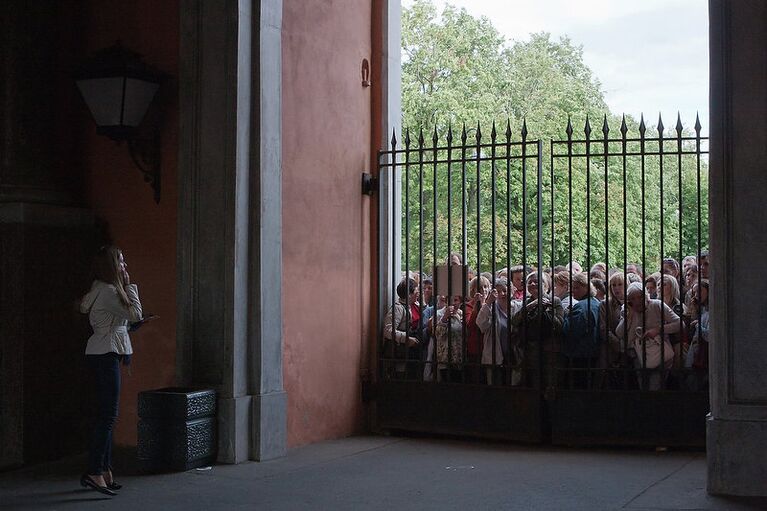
(737, 426)
(229, 327)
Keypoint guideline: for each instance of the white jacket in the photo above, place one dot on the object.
(109, 318)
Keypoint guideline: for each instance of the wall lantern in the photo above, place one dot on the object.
(118, 88)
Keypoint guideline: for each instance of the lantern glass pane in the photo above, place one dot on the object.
(138, 96)
(104, 99)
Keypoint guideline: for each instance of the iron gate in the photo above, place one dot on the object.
(516, 368)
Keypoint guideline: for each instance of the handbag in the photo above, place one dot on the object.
(652, 352)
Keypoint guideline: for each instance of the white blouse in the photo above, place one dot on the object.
(109, 318)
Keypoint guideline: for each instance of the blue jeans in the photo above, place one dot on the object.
(106, 369)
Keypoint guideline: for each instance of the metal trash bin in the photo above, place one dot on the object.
(176, 429)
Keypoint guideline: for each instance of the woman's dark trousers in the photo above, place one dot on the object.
(106, 369)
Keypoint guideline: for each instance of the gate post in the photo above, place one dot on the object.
(737, 425)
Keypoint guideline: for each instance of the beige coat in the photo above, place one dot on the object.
(109, 318)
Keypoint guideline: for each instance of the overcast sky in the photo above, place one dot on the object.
(650, 55)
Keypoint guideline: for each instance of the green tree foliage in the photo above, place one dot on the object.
(458, 69)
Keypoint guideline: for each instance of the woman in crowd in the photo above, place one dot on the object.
(599, 288)
(401, 340)
(634, 268)
(580, 332)
(609, 317)
(598, 267)
(493, 321)
(643, 317)
(539, 321)
(670, 294)
(111, 304)
(479, 289)
(697, 354)
(517, 284)
(448, 332)
(562, 289)
(688, 261)
(690, 279)
(671, 267)
(651, 285)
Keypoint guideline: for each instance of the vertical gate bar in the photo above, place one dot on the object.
(478, 155)
(493, 191)
(551, 168)
(394, 254)
(662, 256)
(525, 328)
(681, 225)
(642, 130)
(624, 130)
(606, 148)
(478, 137)
(435, 279)
(450, 289)
(569, 131)
(539, 236)
(570, 221)
(420, 236)
(380, 265)
(509, 280)
(408, 312)
(700, 247)
(589, 326)
(464, 255)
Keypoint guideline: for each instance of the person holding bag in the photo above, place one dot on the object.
(111, 304)
(644, 317)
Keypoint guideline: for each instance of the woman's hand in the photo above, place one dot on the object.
(492, 297)
(653, 332)
(412, 342)
(125, 277)
(479, 299)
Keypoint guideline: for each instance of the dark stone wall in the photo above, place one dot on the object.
(46, 242)
(44, 385)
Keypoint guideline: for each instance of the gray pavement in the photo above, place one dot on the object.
(371, 472)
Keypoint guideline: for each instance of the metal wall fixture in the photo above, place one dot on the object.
(365, 73)
(118, 87)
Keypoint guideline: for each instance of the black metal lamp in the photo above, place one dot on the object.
(118, 88)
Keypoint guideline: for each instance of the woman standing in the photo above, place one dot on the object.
(643, 317)
(111, 304)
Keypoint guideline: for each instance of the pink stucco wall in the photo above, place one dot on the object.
(326, 129)
(118, 195)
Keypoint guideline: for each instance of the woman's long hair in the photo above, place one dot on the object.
(106, 266)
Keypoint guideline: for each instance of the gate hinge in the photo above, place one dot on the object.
(369, 184)
(369, 391)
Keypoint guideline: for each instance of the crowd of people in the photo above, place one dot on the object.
(597, 328)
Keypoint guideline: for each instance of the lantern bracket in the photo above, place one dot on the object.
(145, 153)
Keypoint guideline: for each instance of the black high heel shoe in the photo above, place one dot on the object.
(112, 485)
(87, 482)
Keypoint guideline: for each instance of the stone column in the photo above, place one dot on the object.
(737, 426)
(45, 245)
(229, 297)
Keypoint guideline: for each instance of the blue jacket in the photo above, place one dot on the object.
(581, 334)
